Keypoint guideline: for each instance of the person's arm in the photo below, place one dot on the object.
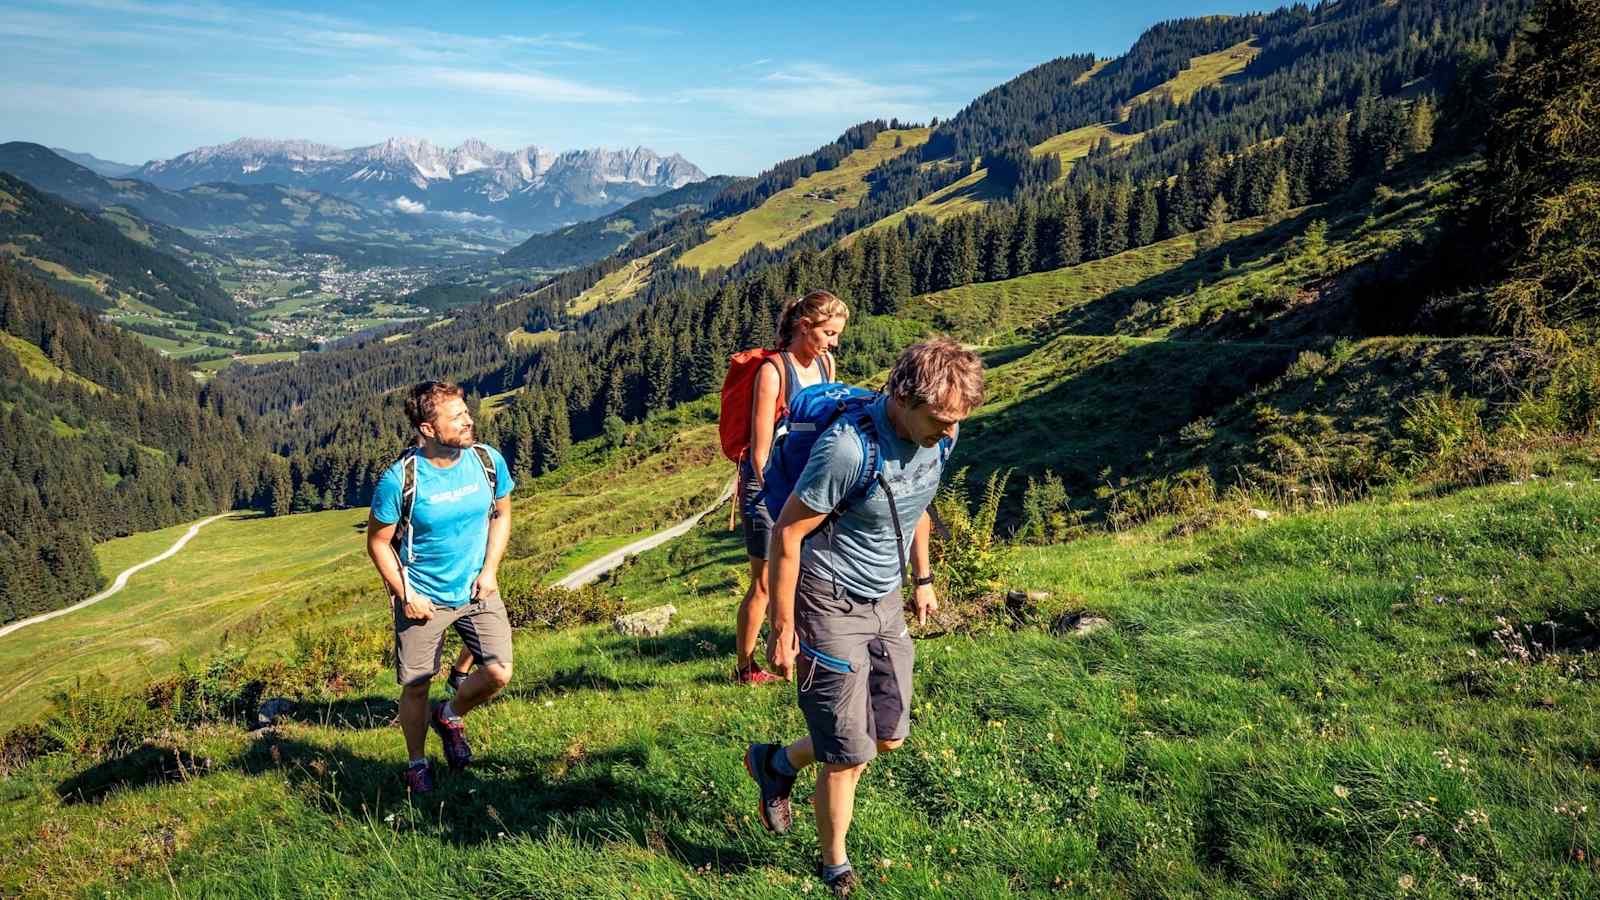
(488, 580)
(765, 418)
(927, 604)
(783, 572)
(379, 534)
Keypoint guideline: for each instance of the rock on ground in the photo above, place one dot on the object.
(651, 622)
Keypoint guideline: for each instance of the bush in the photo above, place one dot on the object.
(543, 607)
(1447, 439)
(970, 560)
(1047, 513)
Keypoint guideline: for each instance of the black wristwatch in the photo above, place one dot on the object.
(922, 581)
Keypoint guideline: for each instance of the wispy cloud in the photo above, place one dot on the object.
(529, 86)
(409, 206)
(816, 91)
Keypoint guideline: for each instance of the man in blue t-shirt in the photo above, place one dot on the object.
(441, 566)
(838, 618)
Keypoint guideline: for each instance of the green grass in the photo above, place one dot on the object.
(617, 286)
(809, 203)
(249, 359)
(39, 366)
(600, 500)
(1312, 706)
(973, 192)
(253, 580)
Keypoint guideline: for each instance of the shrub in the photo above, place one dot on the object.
(1047, 513)
(1447, 439)
(970, 560)
(1307, 364)
(545, 607)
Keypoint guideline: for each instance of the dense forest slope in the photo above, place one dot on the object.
(94, 262)
(102, 437)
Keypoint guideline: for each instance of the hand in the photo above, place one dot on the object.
(927, 604)
(418, 609)
(486, 586)
(783, 645)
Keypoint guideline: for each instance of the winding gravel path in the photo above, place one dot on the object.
(119, 584)
(590, 571)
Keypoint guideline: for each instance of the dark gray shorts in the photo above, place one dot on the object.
(848, 712)
(753, 510)
(483, 627)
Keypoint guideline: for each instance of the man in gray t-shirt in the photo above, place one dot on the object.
(838, 617)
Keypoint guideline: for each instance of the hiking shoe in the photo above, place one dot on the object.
(457, 752)
(842, 883)
(453, 681)
(418, 779)
(775, 811)
(754, 675)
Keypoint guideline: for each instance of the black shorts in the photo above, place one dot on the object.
(753, 509)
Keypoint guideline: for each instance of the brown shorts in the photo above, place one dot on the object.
(418, 645)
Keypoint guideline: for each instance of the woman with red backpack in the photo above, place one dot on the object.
(758, 385)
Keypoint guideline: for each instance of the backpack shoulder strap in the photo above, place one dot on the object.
(489, 475)
(408, 500)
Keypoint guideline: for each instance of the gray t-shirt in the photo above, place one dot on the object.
(863, 543)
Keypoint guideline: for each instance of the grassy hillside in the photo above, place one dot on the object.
(39, 366)
(975, 191)
(808, 203)
(619, 285)
(1325, 704)
(243, 581)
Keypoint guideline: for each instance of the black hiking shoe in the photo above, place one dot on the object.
(457, 752)
(842, 883)
(418, 779)
(775, 811)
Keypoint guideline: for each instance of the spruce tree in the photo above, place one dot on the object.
(1278, 200)
(1022, 241)
(1216, 226)
(1069, 232)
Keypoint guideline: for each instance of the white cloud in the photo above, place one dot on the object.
(465, 217)
(818, 91)
(529, 86)
(409, 206)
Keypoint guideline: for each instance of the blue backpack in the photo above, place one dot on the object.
(813, 411)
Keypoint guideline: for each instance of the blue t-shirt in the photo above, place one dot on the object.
(449, 523)
(863, 544)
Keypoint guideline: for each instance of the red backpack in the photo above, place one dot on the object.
(739, 396)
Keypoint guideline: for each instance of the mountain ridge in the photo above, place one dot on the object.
(530, 187)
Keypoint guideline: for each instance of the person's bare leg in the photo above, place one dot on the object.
(836, 803)
(414, 719)
(463, 661)
(801, 753)
(481, 686)
(752, 612)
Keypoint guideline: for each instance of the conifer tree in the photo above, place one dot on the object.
(1022, 241)
(1069, 232)
(1216, 226)
(1278, 200)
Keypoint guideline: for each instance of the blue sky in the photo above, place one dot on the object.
(734, 87)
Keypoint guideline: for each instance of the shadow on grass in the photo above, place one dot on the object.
(590, 798)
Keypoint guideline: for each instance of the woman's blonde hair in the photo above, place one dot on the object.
(813, 309)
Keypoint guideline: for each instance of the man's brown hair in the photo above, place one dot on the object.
(939, 372)
(425, 399)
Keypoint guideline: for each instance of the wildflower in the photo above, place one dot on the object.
(1406, 882)
(1341, 791)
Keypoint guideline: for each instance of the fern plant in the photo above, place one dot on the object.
(969, 559)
